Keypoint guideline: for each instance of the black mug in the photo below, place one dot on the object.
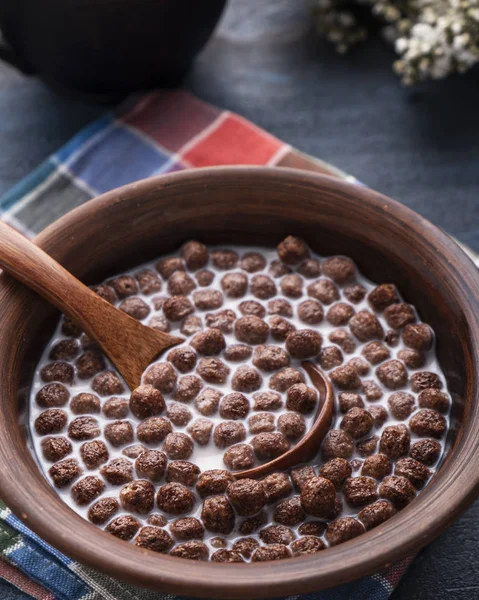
(106, 47)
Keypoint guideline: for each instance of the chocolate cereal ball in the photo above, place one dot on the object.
(337, 444)
(56, 448)
(277, 486)
(191, 325)
(94, 453)
(399, 315)
(330, 357)
(70, 328)
(107, 384)
(281, 307)
(214, 481)
(372, 391)
(162, 376)
(365, 326)
(124, 527)
(87, 489)
(195, 254)
(423, 380)
(209, 342)
(234, 406)
(229, 433)
(280, 328)
(134, 450)
(292, 250)
(208, 401)
(227, 556)
(49, 421)
(368, 446)
(84, 403)
(251, 330)
(310, 268)
(270, 358)
(246, 379)
(304, 343)
(428, 423)
(263, 287)
(383, 296)
(345, 378)
(200, 430)
(285, 378)
(188, 387)
(102, 510)
(151, 464)
(180, 284)
(175, 499)
(375, 352)
(177, 308)
(359, 491)
(354, 293)
(64, 472)
(359, 365)
(316, 528)
(178, 446)
(318, 497)
(146, 401)
(337, 471)
(118, 471)
(153, 430)
(307, 545)
(167, 266)
(267, 401)
(291, 425)
(252, 262)
(247, 496)
(289, 512)
(376, 513)
(124, 286)
(413, 470)
(323, 290)
(357, 422)
(401, 405)
(245, 546)
(251, 307)
(154, 538)
(277, 534)
(52, 395)
(342, 338)
(340, 314)
(213, 370)
(224, 259)
(418, 336)
(269, 445)
(222, 320)
(397, 490)
(157, 520)
(342, 530)
(426, 451)
(395, 441)
(238, 353)
(379, 415)
(57, 371)
(183, 358)
(187, 528)
(301, 398)
(160, 324)
(217, 515)
(136, 308)
(179, 414)
(64, 350)
(302, 474)
(310, 312)
(392, 374)
(192, 550)
(148, 281)
(234, 285)
(271, 552)
(377, 466)
(239, 457)
(83, 428)
(292, 285)
(348, 400)
(339, 268)
(434, 399)
(182, 471)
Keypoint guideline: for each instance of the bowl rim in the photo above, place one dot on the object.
(400, 537)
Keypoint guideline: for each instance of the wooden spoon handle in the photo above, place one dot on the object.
(38, 271)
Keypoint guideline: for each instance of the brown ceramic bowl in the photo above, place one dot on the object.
(244, 205)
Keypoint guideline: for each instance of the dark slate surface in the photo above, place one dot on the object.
(419, 146)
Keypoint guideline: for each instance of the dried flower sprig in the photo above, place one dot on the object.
(433, 38)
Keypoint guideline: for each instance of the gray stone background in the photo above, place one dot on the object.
(420, 146)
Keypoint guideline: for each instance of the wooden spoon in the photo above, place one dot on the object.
(129, 345)
(308, 446)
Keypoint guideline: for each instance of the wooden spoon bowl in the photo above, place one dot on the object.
(246, 205)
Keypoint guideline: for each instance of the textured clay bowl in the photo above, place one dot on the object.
(249, 205)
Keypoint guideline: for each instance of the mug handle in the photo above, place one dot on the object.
(8, 55)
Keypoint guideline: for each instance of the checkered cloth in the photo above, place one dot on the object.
(153, 134)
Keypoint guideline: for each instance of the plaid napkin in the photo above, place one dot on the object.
(156, 133)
